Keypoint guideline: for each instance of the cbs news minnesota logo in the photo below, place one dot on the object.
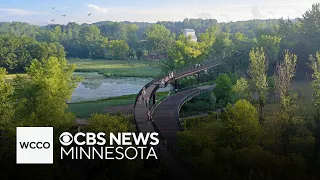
(35, 145)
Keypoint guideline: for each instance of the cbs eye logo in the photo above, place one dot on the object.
(66, 138)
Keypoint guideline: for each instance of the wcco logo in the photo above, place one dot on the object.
(34, 145)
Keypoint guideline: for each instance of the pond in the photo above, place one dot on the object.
(96, 86)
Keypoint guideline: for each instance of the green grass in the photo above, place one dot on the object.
(304, 88)
(9, 77)
(119, 68)
(85, 109)
(301, 86)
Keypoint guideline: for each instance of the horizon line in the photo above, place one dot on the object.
(151, 22)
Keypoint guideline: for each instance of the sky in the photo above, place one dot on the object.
(40, 12)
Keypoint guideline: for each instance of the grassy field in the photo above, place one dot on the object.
(85, 109)
(10, 77)
(120, 68)
(306, 93)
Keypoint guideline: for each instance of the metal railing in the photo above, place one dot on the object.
(194, 86)
(189, 96)
(174, 92)
(159, 102)
(180, 73)
(196, 68)
(177, 75)
(169, 146)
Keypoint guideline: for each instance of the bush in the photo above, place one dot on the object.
(242, 125)
(192, 122)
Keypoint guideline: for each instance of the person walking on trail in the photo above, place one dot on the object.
(144, 91)
(147, 101)
(149, 115)
(139, 99)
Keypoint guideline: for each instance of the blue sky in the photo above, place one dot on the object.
(40, 12)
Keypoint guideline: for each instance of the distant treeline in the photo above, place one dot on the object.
(124, 39)
(137, 40)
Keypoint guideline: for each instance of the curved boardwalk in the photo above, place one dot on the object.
(166, 117)
(166, 120)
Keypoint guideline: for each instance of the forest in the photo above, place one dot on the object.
(112, 40)
(260, 125)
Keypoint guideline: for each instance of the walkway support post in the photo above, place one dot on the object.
(176, 84)
(154, 99)
(198, 77)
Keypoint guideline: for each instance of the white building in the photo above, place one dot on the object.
(190, 32)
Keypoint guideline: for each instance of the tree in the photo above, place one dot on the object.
(242, 125)
(310, 22)
(222, 46)
(17, 53)
(140, 54)
(239, 51)
(158, 38)
(41, 96)
(288, 102)
(90, 40)
(108, 124)
(118, 48)
(258, 77)
(315, 84)
(132, 38)
(271, 46)
(240, 90)
(105, 47)
(6, 104)
(286, 27)
(183, 53)
(223, 89)
(309, 27)
(207, 40)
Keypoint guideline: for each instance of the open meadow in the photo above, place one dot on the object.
(119, 68)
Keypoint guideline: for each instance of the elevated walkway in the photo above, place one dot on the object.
(166, 118)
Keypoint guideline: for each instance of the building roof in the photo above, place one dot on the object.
(193, 37)
(189, 30)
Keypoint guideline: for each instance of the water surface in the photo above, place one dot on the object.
(95, 87)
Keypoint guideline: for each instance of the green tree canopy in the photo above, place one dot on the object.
(240, 90)
(17, 53)
(258, 77)
(6, 104)
(118, 48)
(315, 84)
(241, 121)
(223, 89)
(41, 96)
(158, 38)
(108, 124)
(271, 46)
